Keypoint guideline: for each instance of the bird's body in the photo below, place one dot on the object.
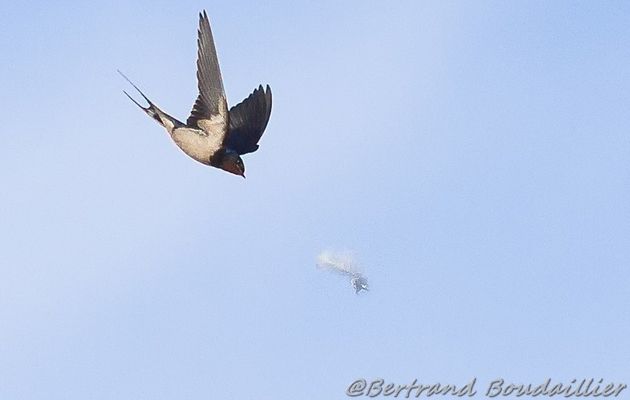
(198, 144)
(214, 135)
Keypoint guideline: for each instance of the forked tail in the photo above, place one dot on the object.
(152, 111)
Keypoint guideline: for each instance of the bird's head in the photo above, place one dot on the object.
(233, 163)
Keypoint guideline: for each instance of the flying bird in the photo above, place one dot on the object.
(343, 264)
(212, 134)
(359, 283)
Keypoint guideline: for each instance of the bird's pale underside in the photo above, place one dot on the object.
(212, 134)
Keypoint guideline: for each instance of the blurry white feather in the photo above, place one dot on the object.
(340, 262)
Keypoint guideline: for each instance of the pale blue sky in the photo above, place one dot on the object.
(475, 155)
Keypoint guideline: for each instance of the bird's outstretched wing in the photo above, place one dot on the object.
(248, 121)
(209, 112)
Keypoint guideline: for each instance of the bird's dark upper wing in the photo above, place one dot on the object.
(248, 121)
(211, 101)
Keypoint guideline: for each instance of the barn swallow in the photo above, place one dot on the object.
(213, 135)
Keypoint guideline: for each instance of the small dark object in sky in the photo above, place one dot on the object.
(359, 283)
(213, 135)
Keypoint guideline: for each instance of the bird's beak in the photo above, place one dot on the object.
(243, 175)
